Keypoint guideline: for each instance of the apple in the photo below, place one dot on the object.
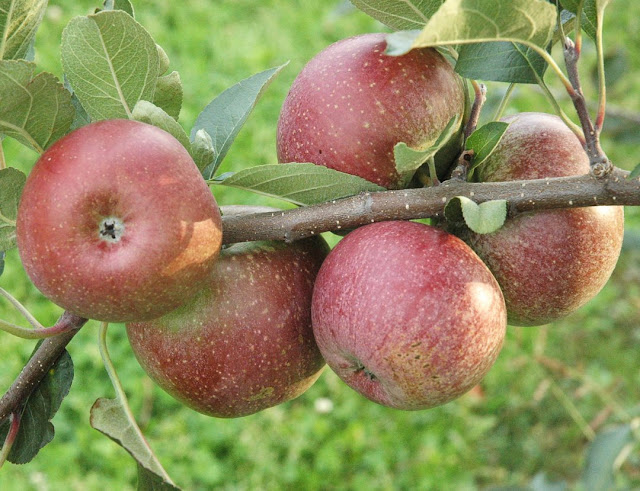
(407, 314)
(116, 223)
(352, 103)
(244, 343)
(548, 263)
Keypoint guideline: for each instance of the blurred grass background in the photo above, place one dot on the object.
(528, 418)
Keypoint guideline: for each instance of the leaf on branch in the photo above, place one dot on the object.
(483, 218)
(226, 114)
(635, 172)
(149, 481)
(109, 417)
(124, 5)
(19, 21)
(301, 184)
(408, 160)
(530, 22)
(603, 453)
(483, 142)
(111, 62)
(202, 150)
(590, 11)
(400, 14)
(501, 61)
(149, 113)
(11, 184)
(35, 110)
(36, 429)
(2, 254)
(169, 94)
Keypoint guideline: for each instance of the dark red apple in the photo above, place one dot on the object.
(351, 104)
(116, 223)
(244, 343)
(548, 263)
(407, 314)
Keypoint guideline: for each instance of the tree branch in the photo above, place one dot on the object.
(348, 213)
(38, 366)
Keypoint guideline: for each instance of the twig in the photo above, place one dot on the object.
(38, 366)
(348, 213)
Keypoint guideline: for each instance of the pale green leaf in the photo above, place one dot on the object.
(603, 452)
(19, 21)
(484, 140)
(530, 22)
(226, 114)
(483, 218)
(301, 184)
(591, 9)
(169, 94)
(408, 160)
(110, 418)
(202, 150)
(11, 185)
(111, 62)
(149, 113)
(400, 14)
(124, 5)
(35, 110)
(635, 172)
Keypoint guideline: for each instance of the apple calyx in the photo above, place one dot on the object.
(111, 229)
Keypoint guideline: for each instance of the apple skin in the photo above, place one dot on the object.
(407, 314)
(548, 263)
(351, 104)
(245, 342)
(116, 223)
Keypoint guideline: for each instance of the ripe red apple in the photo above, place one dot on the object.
(116, 223)
(407, 314)
(244, 343)
(351, 104)
(548, 263)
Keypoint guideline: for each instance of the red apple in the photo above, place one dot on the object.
(244, 343)
(548, 263)
(116, 223)
(351, 104)
(407, 314)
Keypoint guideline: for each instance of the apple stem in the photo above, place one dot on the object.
(121, 396)
(432, 172)
(601, 166)
(14, 427)
(504, 102)
(21, 308)
(38, 366)
(480, 98)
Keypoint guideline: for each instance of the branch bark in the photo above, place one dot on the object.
(344, 214)
(38, 366)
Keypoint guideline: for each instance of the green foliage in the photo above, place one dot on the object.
(482, 218)
(11, 184)
(483, 142)
(36, 429)
(19, 21)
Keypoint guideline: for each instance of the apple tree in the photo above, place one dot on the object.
(447, 229)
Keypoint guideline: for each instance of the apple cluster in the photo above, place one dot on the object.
(117, 224)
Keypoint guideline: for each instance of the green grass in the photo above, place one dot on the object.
(519, 425)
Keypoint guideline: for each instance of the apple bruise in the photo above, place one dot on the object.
(244, 343)
(407, 315)
(351, 104)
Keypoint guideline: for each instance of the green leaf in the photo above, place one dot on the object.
(635, 172)
(36, 429)
(301, 184)
(484, 140)
(109, 417)
(541, 482)
(202, 150)
(149, 113)
(483, 218)
(169, 94)
(472, 21)
(400, 14)
(2, 255)
(590, 11)
(501, 61)
(35, 110)
(111, 62)
(124, 5)
(148, 481)
(11, 185)
(226, 114)
(408, 159)
(19, 21)
(602, 454)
